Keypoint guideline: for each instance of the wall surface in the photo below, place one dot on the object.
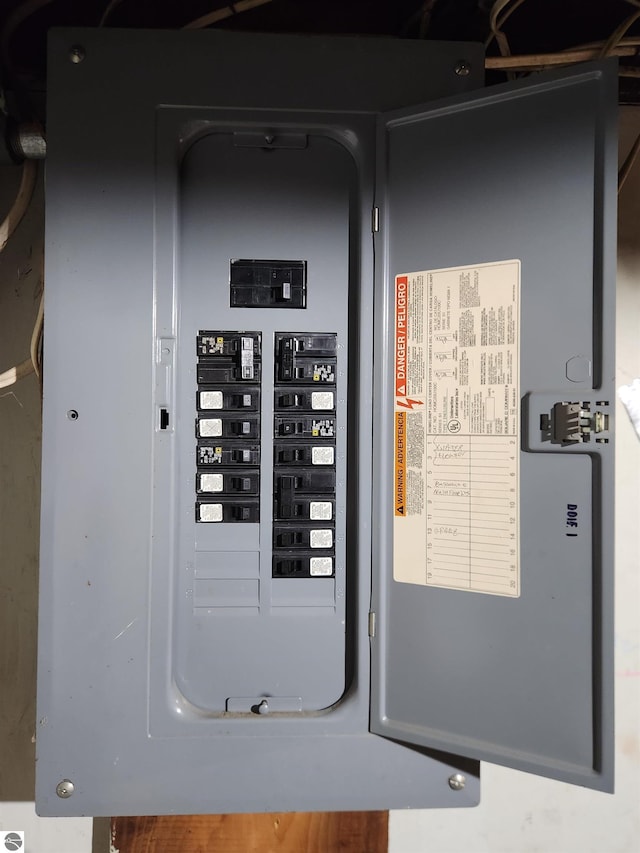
(519, 813)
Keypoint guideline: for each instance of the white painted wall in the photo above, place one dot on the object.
(519, 813)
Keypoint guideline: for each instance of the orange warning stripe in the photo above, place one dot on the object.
(400, 480)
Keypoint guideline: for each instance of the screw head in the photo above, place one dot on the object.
(72, 414)
(463, 69)
(65, 788)
(457, 781)
(76, 54)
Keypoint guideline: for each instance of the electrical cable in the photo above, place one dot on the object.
(618, 34)
(624, 42)
(33, 364)
(35, 337)
(538, 61)
(21, 202)
(615, 45)
(630, 159)
(14, 374)
(497, 25)
(225, 12)
(7, 228)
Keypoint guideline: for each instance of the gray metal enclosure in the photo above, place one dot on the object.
(220, 628)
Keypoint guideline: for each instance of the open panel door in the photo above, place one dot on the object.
(493, 551)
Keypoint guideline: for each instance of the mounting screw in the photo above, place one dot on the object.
(76, 54)
(65, 788)
(457, 782)
(72, 414)
(463, 69)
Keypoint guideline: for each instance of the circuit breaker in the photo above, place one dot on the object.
(332, 519)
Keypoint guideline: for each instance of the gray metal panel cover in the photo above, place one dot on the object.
(112, 579)
(522, 171)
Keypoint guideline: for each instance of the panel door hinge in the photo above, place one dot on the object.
(375, 219)
(372, 623)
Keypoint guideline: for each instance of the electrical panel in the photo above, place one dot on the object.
(347, 347)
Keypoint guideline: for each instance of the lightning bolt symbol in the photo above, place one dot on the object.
(408, 403)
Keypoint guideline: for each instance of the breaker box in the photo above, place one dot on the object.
(328, 441)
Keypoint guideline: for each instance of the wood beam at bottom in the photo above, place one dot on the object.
(298, 832)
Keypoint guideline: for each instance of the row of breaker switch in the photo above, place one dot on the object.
(304, 475)
(228, 375)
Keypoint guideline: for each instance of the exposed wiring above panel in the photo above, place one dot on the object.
(21, 202)
(14, 374)
(7, 228)
(527, 42)
(226, 12)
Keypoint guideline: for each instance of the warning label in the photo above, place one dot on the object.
(401, 433)
(457, 426)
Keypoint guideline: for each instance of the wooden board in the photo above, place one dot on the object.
(304, 832)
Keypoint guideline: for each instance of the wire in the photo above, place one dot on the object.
(33, 364)
(36, 336)
(624, 42)
(630, 159)
(14, 374)
(497, 25)
(21, 202)
(221, 14)
(535, 61)
(618, 33)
